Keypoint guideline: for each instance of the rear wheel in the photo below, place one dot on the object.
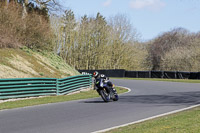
(115, 97)
(105, 96)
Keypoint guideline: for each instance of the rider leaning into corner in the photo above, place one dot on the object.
(97, 82)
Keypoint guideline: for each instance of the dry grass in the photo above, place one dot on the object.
(18, 63)
(8, 72)
(23, 65)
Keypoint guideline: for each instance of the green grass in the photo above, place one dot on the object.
(183, 122)
(53, 99)
(167, 80)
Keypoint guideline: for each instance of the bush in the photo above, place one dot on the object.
(32, 31)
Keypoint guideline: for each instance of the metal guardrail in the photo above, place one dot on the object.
(30, 87)
(73, 83)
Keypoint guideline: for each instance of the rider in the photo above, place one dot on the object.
(97, 78)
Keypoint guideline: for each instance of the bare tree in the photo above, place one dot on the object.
(122, 34)
(166, 42)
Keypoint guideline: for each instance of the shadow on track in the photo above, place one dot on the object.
(93, 102)
(183, 98)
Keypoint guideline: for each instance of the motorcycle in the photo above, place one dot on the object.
(106, 90)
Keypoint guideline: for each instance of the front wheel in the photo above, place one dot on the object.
(104, 95)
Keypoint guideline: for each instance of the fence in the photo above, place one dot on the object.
(74, 83)
(28, 87)
(147, 74)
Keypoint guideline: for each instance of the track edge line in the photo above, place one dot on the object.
(149, 118)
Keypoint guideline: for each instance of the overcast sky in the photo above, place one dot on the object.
(149, 17)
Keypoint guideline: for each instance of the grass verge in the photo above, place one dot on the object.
(183, 122)
(167, 80)
(53, 99)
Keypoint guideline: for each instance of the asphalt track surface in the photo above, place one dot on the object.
(146, 99)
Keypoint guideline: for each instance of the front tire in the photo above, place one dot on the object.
(104, 95)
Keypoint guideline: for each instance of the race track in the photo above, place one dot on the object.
(146, 99)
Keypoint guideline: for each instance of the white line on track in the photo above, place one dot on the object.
(129, 90)
(153, 117)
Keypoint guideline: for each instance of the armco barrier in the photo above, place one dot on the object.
(30, 87)
(74, 83)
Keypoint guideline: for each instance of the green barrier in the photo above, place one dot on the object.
(73, 83)
(31, 87)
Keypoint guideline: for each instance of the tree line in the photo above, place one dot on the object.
(94, 42)
(175, 50)
(97, 43)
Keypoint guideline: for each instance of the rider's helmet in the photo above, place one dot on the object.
(102, 76)
(95, 74)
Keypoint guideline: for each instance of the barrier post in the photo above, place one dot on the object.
(90, 80)
(149, 74)
(57, 87)
(175, 74)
